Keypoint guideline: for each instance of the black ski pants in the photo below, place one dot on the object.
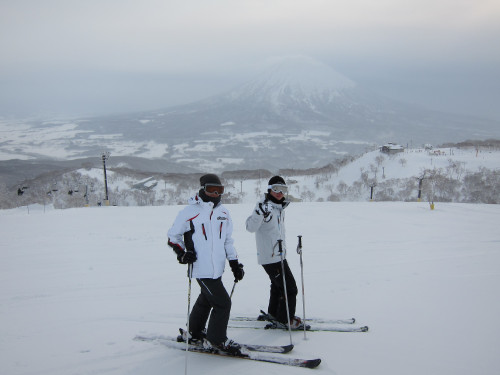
(277, 301)
(213, 301)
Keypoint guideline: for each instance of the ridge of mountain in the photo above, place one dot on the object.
(298, 95)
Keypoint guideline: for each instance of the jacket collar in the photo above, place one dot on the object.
(197, 200)
(282, 205)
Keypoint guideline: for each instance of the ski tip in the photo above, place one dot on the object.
(313, 363)
(287, 348)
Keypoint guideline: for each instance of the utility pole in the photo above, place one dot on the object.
(105, 156)
(419, 198)
(420, 183)
(371, 192)
(86, 195)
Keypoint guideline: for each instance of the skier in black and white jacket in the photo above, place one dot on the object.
(267, 221)
(202, 236)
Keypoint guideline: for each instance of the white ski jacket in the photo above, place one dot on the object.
(212, 237)
(268, 231)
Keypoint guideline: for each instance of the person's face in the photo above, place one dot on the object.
(278, 195)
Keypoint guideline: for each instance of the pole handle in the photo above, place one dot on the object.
(299, 245)
(280, 246)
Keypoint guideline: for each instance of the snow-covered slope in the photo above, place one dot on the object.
(77, 285)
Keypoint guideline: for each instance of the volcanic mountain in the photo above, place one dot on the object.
(298, 113)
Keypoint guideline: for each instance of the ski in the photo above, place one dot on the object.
(248, 355)
(313, 328)
(264, 316)
(309, 320)
(280, 349)
(318, 326)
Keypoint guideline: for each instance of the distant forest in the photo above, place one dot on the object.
(69, 188)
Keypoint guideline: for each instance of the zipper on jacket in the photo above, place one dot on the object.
(204, 233)
(212, 237)
(220, 230)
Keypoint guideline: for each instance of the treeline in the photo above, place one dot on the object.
(490, 144)
(127, 187)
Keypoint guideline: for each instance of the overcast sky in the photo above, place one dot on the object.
(103, 56)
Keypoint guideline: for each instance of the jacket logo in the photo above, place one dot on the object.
(222, 218)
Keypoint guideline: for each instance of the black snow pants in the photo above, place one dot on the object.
(277, 301)
(213, 301)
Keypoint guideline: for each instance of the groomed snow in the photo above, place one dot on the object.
(77, 285)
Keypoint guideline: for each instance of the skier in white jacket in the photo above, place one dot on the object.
(202, 236)
(267, 221)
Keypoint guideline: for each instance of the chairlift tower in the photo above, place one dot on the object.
(105, 156)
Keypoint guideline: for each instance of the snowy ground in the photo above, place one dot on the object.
(77, 285)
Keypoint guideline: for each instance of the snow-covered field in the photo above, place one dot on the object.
(77, 285)
(454, 163)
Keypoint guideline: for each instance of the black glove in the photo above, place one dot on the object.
(184, 257)
(187, 257)
(265, 208)
(237, 269)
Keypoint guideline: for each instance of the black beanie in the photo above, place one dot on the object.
(276, 180)
(209, 179)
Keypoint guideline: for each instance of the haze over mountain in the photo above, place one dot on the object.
(298, 113)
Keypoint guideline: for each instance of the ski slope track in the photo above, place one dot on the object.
(78, 285)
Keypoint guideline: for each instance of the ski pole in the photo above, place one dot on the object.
(284, 287)
(188, 241)
(190, 272)
(299, 251)
(232, 290)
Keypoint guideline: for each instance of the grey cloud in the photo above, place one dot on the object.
(122, 55)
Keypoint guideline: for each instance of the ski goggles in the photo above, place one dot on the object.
(214, 189)
(278, 188)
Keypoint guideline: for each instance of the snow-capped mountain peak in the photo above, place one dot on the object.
(298, 77)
